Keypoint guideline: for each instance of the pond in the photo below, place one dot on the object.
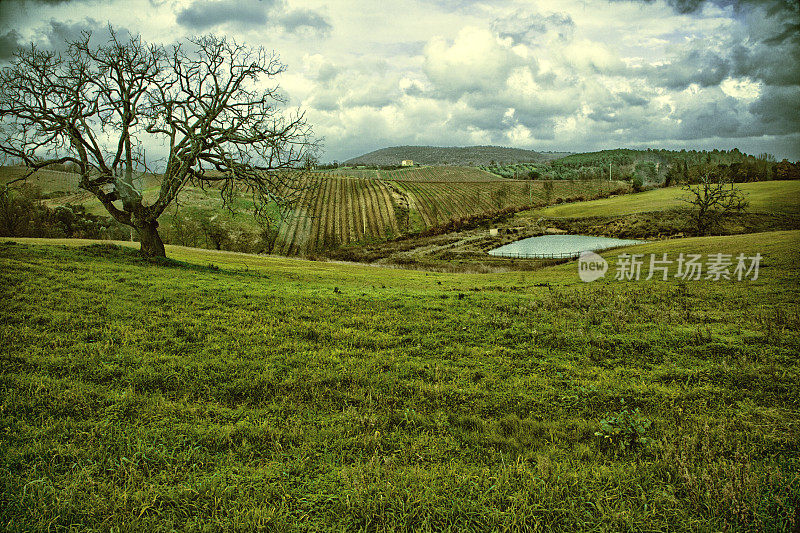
(558, 246)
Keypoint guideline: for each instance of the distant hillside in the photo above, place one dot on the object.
(449, 173)
(463, 156)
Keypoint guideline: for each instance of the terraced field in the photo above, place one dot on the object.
(337, 210)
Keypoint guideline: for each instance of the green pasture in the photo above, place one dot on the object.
(763, 196)
(221, 391)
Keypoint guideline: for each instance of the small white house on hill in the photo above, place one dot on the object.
(407, 163)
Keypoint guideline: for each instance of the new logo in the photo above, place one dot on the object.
(591, 266)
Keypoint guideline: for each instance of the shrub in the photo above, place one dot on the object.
(23, 215)
(625, 429)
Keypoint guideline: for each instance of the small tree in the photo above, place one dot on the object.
(711, 199)
(499, 196)
(204, 101)
(637, 182)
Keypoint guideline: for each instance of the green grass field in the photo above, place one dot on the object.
(764, 196)
(223, 391)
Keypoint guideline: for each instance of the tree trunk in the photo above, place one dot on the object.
(152, 246)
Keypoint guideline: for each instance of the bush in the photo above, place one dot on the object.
(637, 182)
(22, 215)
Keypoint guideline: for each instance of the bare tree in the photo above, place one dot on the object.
(711, 199)
(209, 103)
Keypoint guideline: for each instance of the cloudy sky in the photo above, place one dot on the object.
(574, 75)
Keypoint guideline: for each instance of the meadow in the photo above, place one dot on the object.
(224, 391)
(763, 197)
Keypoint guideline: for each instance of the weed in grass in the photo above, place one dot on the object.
(625, 430)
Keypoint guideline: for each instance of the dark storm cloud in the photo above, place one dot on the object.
(680, 6)
(777, 108)
(33, 2)
(772, 7)
(775, 112)
(8, 44)
(201, 15)
(771, 64)
(711, 119)
(58, 34)
(790, 32)
(55, 35)
(10, 8)
(305, 20)
(632, 99)
(704, 68)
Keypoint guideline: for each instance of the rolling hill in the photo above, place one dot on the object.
(763, 197)
(454, 155)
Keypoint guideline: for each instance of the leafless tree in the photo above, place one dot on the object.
(209, 102)
(711, 199)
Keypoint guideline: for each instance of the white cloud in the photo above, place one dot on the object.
(742, 88)
(550, 75)
(475, 60)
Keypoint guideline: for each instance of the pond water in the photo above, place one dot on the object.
(558, 246)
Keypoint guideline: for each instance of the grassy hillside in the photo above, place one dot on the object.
(766, 196)
(438, 155)
(229, 391)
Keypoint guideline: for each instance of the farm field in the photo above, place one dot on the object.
(764, 196)
(346, 211)
(220, 391)
(339, 211)
(429, 174)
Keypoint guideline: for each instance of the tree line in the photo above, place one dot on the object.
(655, 166)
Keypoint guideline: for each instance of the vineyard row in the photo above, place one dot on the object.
(336, 212)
